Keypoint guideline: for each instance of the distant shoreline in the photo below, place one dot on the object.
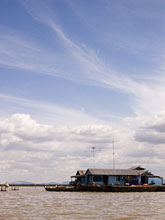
(34, 185)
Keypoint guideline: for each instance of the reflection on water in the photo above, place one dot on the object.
(35, 203)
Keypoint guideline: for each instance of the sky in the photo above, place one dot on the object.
(80, 74)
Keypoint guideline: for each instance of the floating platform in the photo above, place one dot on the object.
(137, 188)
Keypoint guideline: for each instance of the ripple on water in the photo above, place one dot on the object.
(36, 203)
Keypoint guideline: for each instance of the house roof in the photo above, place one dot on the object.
(80, 172)
(113, 172)
(134, 171)
(136, 168)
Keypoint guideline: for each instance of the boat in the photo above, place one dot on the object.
(132, 188)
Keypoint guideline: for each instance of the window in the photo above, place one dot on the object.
(97, 178)
(118, 178)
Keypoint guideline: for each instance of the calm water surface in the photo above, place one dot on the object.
(35, 203)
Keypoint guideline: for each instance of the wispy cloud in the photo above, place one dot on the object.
(93, 68)
(16, 52)
(45, 111)
(19, 52)
(77, 62)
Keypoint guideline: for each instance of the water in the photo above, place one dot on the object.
(35, 203)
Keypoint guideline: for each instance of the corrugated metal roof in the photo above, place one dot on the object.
(121, 172)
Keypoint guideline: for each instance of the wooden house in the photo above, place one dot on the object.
(133, 176)
(80, 178)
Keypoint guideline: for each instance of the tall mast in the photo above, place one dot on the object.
(93, 154)
(113, 146)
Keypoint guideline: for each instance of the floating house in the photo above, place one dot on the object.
(109, 177)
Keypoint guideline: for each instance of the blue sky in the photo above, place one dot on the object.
(76, 74)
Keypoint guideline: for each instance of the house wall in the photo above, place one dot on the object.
(82, 180)
(88, 179)
(112, 180)
(156, 180)
(96, 182)
(139, 180)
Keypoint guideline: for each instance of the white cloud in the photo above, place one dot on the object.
(57, 152)
(152, 130)
(46, 147)
(20, 127)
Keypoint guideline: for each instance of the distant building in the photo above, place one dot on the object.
(132, 176)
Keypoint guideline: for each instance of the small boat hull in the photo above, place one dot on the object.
(148, 188)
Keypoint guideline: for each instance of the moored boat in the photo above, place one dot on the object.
(138, 188)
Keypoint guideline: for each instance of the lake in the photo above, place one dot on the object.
(35, 203)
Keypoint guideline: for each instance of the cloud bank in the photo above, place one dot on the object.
(31, 148)
(153, 130)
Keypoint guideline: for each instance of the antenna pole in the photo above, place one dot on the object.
(93, 151)
(113, 154)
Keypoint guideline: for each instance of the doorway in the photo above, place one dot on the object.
(144, 180)
(105, 180)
